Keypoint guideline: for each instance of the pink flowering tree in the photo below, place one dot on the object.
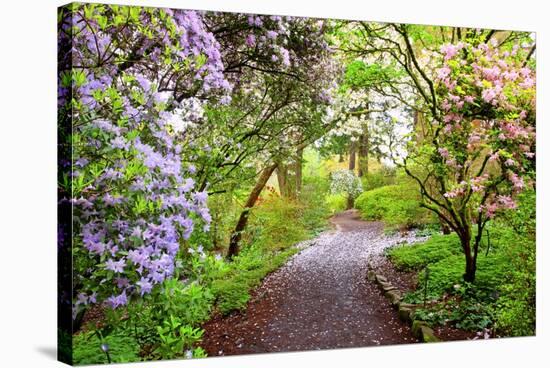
(472, 92)
(477, 152)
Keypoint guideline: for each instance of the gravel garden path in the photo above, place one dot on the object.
(320, 299)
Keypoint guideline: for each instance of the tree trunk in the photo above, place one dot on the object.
(465, 240)
(298, 171)
(352, 156)
(282, 179)
(419, 126)
(341, 158)
(444, 227)
(350, 201)
(243, 218)
(364, 151)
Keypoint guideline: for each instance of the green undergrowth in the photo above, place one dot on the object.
(398, 206)
(232, 287)
(501, 300)
(276, 225)
(122, 348)
(336, 203)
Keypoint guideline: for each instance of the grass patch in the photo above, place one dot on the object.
(416, 257)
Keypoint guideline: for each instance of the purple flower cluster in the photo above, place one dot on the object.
(139, 203)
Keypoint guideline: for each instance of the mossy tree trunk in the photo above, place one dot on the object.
(243, 218)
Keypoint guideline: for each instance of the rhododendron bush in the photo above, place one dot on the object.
(479, 148)
(345, 182)
(134, 199)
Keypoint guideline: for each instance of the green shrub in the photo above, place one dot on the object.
(336, 202)
(276, 223)
(417, 256)
(395, 205)
(503, 295)
(376, 179)
(448, 272)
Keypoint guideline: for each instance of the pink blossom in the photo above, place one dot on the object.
(443, 152)
(510, 162)
(451, 85)
(444, 72)
(522, 114)
(527, 83)
(506, 202)
(502, 64)
(491, 73)
(525, 72)
(511, 76)
(488, 95)
(517, 181)
(449, 50)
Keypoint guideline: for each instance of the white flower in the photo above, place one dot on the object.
(176, 121)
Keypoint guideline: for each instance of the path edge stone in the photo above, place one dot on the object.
(420, 329)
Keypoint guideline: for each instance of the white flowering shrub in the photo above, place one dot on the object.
(345, 181)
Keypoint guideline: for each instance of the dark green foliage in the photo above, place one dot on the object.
(448, 272)
(444, 256)
(395, 205)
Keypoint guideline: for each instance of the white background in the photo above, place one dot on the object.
(28, 181)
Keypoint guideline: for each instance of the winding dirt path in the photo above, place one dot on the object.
(319, 299)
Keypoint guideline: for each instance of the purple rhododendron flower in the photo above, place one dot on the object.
(251, 40)
(115, 266)
(145, 286)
